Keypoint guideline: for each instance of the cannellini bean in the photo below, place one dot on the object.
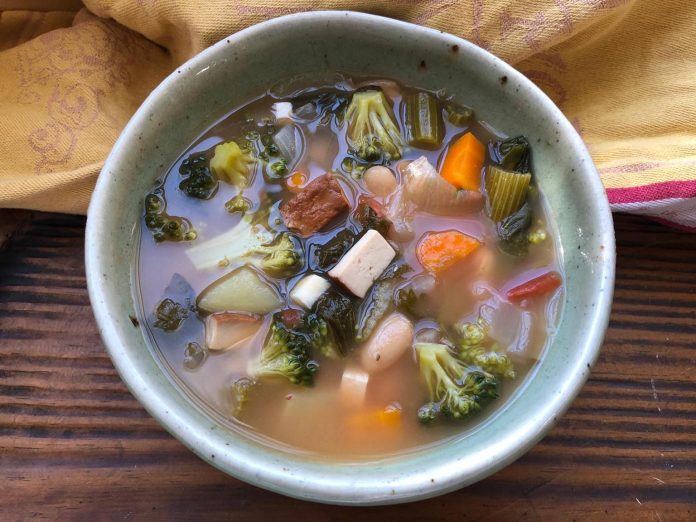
(380, 180)
(390, 340)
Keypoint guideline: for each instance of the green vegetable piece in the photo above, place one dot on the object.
(458, 115)
(233, 163)
(282, 257)
(253, 242)
(413, 297)
(512, 232)
(323, 338)
(279, 168)
(428, 413)
(455, 389)
(353, 167)
(513, 154)
(424, 121)
(330, 252)
(241, 392)
(472, 350)
(242, 290)
(337, 311)
(194, 356)
(507, 192)
(285, 353)
(169, 315)
(472, 334)
(489, 360)
(372, 131)
(380, 300)
(198, 181)
(238, 204)
(370, 216)
(163, 226)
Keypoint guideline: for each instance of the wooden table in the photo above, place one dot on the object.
(74, 444)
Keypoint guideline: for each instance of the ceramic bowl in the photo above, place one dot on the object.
(311, 45)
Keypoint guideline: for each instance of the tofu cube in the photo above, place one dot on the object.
(308, 290)
(363, 263)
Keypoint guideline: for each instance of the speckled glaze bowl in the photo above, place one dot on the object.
(244, 66)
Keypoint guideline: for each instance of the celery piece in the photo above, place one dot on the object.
(458, 115)
(507, 192)
(424, 121)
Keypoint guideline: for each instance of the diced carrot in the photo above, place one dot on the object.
(370, 421)
(390, 416)
(463, 163)
(541, 285)
(438, 251)
(296, 181)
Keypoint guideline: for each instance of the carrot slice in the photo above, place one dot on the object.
(541, 285)
(463, 163)
(439, 251)
(370, 421)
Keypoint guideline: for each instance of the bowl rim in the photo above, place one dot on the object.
(337, 490)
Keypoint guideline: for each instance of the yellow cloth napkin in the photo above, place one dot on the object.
(623, 71)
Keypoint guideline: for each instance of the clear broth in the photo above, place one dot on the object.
(312, 420)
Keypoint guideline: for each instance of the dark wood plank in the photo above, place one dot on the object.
(75, 445)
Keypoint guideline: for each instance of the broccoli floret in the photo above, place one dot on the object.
(281, 257)
(238, 204)
(472, 334)
(169, 315)
(322, 337)
(471, 341)
(163, 226)
(279, 168)
(372, 132)
(253, 242)
(286, 353)
(233, 163)
(455, 389)
(198, 181)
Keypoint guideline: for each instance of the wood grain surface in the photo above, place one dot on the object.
(74, 444)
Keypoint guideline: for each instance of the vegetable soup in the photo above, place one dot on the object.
(350, 270)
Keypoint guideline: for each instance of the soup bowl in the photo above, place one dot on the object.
(314, 45)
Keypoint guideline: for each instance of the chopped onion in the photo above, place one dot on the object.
(289, 142)
(431, 193)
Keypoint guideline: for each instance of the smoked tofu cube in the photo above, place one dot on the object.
(308, 290)
(319, 202)
(363, 263)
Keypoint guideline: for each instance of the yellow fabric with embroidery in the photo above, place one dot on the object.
(623, 71)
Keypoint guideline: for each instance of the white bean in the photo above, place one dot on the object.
(387, 343)
(380, 180)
